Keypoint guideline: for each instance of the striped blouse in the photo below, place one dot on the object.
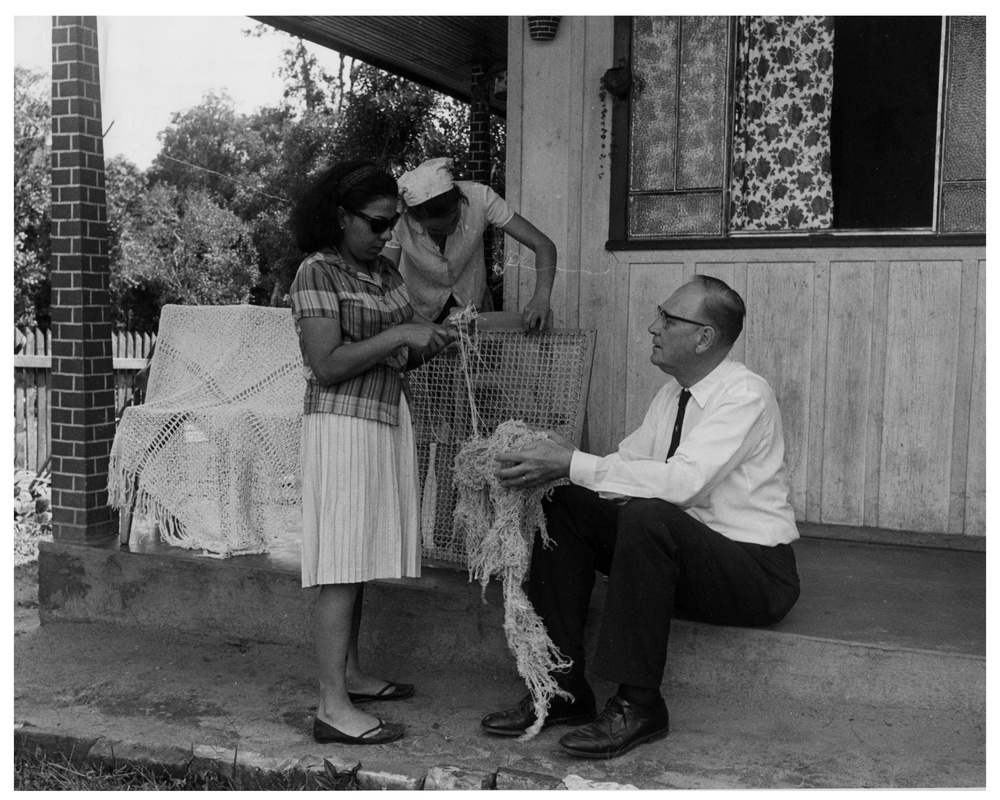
(327, 286)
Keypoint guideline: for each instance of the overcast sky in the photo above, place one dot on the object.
(152, 67)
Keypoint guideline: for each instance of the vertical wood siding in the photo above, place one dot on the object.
(974, 498)
(877, 360)
(877, 355)
(847, 393)
(919, 394)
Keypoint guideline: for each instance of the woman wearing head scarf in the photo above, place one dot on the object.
(438, 243)
(359, 472)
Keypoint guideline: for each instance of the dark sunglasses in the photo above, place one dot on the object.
(378, 225)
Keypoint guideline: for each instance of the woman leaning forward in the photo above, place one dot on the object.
(359, 476)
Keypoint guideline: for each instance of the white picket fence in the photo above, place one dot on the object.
(32, 368)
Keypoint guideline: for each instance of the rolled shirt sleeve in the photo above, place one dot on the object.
(729, 469)
(498, 213)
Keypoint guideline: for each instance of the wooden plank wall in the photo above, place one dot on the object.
(877, 360)
(558, 177)
(975, 479)
(877, 355)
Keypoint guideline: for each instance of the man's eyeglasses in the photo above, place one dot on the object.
(378, 225)
(665, 318)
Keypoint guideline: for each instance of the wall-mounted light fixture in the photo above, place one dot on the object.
(543, 29)
(617, 81)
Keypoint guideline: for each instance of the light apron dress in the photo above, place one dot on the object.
(360, 503)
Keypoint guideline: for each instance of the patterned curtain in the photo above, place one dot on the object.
(781, 143)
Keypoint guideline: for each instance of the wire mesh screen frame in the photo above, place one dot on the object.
(540, 378)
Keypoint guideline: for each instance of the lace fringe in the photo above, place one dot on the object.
(125, 495)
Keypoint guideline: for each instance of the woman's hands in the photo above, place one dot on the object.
(534, 314)
(425, 340)
(332, 360)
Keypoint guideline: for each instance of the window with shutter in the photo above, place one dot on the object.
(774, 128)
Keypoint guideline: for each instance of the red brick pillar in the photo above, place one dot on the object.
(82, 388)
(479, 127)
(479, 166)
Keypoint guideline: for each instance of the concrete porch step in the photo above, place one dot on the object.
(156, 697)
(876, 624)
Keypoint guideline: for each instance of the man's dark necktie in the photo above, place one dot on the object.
(675, 438)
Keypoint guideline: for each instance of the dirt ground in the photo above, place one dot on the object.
(25, 598)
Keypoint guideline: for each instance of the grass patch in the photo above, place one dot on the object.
(41, 772)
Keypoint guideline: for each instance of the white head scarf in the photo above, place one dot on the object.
(428, 180)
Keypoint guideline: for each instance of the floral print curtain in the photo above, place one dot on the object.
(781, 147)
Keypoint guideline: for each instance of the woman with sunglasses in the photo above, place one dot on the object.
(359, 476)
(438, 243)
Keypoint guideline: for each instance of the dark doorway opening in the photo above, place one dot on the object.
(884, 121)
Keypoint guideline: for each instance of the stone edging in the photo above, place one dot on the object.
(229, 763)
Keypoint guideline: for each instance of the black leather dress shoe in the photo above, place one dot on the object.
(515, 721)
(620, 727)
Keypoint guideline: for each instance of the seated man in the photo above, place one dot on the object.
(691, 513)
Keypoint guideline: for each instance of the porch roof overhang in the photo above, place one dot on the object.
(437, 52)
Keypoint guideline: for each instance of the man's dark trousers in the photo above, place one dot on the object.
(658, 558)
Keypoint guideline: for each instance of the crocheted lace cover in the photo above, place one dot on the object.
(213, 454)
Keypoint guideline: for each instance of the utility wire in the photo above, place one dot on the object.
(284, 200)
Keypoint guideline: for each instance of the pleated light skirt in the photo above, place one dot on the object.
(360, 504)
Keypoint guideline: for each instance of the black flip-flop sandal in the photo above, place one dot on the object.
(382, 733)
(391, 691)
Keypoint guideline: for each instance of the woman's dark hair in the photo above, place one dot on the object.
(724, 307)
(438, 206)
(351, 184)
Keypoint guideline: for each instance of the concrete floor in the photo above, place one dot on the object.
(879, 594)
(917, 615)
(89, 681)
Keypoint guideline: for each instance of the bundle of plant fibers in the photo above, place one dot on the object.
(499, 525)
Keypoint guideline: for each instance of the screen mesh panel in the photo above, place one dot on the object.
(539, 378)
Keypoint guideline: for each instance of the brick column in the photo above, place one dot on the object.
(479, 166)
(479, 126)
(82, 396)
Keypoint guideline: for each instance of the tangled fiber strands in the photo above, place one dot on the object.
(499, 525)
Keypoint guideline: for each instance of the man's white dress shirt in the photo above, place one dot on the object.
(728, 471)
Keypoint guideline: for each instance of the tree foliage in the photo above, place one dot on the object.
(31, 198)
(182, 247)
(207, 221)
(125, 186)
(205, 148)
(396, 123)
(306, 83)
